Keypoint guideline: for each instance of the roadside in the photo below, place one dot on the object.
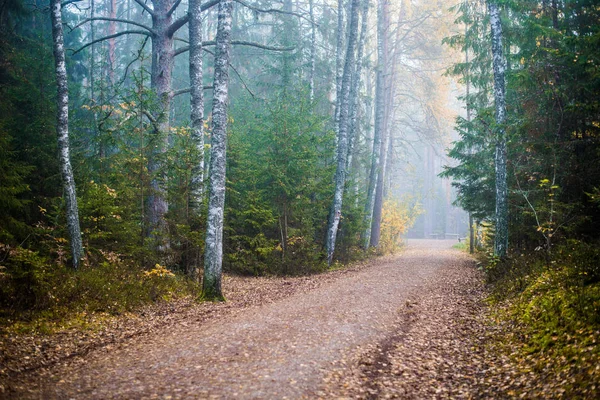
(282, 348)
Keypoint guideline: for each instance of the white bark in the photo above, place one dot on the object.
(354, 93)
(501, 238)
(62, 129)
(379, 129)
(339, 49)
(313, 50)
(196, 105)
(342, 147)
(213, 255)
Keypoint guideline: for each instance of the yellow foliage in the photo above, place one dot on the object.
(158, 270)
(397, 217)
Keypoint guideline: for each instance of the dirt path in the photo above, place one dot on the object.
(330, 341)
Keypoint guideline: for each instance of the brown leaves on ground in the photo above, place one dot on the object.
(436, 349)
(20, 354)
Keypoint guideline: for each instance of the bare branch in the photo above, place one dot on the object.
(66, 3)
(139, 55)
(182, 50)
(236, 72)
(177, 24)
(187, 90)
(134, 32)
(275, 10)
(173, 8)
(145, 7)
(124, 21)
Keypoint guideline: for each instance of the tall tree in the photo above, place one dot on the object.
(342, 137)
(213, 254)
(62, 129)
(501, 238)
(379, 131)
(196, 103)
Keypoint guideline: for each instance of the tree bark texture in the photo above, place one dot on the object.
(313, 51)
(213, 255)
(379, 192)
(499, 63)
(161, 71)
(62, 129)
(196, 106)
(339, 57)
(342, 147)
(354, 93)
(379, 129)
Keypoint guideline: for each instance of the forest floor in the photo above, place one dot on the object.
(406, 326)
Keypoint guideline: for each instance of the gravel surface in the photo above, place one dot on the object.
(407, 312)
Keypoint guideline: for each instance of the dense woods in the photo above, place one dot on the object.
(209, 135)
(148, 146)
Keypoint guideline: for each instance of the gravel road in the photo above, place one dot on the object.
(308, 345)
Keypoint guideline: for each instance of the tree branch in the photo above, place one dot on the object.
(236, 72)
(173, 8)
(124, 21)
(187, 90)
(110, 37)
(182, 50)
(177, 24)
(275, 10)
(145, 7)
(66, 3)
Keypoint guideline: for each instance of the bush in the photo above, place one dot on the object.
(34, 289)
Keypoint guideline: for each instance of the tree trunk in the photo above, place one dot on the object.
(161, 70)
(112, 29)
(213, 255)
(354, 93)
(196, 108)
(471, 235)
(339, 56)
(313, 51)
(501, 238)
(379, 129)
(342, 147)
(62, 129)
(379, 192)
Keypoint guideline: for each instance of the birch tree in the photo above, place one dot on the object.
(379, 131)
(342, 137)
(499, 63)
(196, 104)
(62, 130)
(213, 254)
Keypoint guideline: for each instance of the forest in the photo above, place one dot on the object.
(148, 147)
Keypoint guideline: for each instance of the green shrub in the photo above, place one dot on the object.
(38, 292)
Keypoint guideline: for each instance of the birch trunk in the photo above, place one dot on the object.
(313, 51)
(339, 56)
(379, 118)
(342, 147)
(501, 238)
(112, 29)
(379, 192)
(213, 256)
(196, 107)
(353, 129)
(62, 129)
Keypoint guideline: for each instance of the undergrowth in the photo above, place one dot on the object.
(550, 307)
(39, 295)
